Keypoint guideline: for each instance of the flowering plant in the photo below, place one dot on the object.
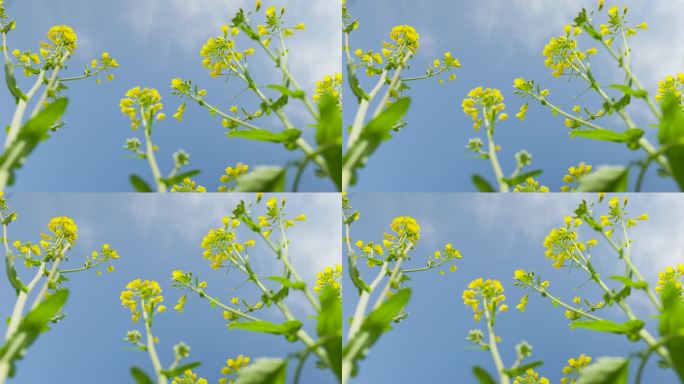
(228, 57)
(566, 58)
(366, 134)
(47, 256)
(389, 257)
(27, 130)
(566, 248)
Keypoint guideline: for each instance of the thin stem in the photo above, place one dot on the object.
(50, 85)
(360, 118)
(393, 277)
(149, 152)
(19, 111)
(493, 348)
(491, 152)
(560, 302)
(151, 349)
(216, 302)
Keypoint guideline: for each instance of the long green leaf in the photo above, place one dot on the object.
(606, 370)
(263, 179)
(329, 137)
(264, 371)
(605, 179)
(671, 134)
(329, 327)
(671, 327)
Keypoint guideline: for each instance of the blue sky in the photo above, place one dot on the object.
(155, 235)
(498, 234)
(155, 41)
(496, 42)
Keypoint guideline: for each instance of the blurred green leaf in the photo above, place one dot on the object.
(607, 370)
(179, 178)
(482, 184)
(630, 137)
(329, 327)
(287, 91)
(329, 137)
(140, 376)
(671, 135)
(12, 83)
(264, 371)
(522, 177)
(139, 184)
(520, 370)
(605, 179)
(288, 328)
(671, 327)
(263, 179)
(482, 376)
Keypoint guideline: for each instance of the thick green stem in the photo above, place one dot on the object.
(493, 348)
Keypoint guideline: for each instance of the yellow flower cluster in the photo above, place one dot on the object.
(220, 244)
(404, 227)
(561, 243)
(489, 101)
(233, 366)
(531, 377)
(189, 377)
(27, 248)
(62, 227)
(403, 36)
(530, 186)
(146, 100)
(231, 175)
(61, 36)
(148, 293)
(671, 85)
(671, 276)
(370, 247)
(188, 185)
(218, 54)
(574, 367)
(329, 277)
(561, 54)
(489, 293)
(329, 85)
(446, 254)
(574, 174)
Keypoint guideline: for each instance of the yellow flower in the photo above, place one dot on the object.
(530, 377)
(62, 35)
(147, 101)
(671, 276)
(574, 175)
(146, 294)
(562, 55)
(329, 277)
(403, 36)
(489, 101)
(574, 368)
(64, 227)
(188, 185)
(329, 85)
(671, 86)
(486, 293)
(404, 227)
(232, 367)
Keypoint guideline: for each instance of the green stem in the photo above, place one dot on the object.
(149, 152)
(491, 152)
(493, 348)
(151, 349)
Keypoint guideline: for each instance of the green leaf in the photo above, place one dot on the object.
(671, 327)
(12, 83)
(482, 376)
(605, 179)
(629, 327)
(606, 370)
(289, 328)
(671, 134)
(630, 136)
(140, 376)
(630, 283)
(33, 132)
(355, 274)
(287, 91)
(288, 137)
(380, 319)
(329, 328)
(513, 372)
(171, 373)
(522, 177)
(355, 85)
(139, 184)
(629, 91)
(32, 325)
(179, 177)
(299, 285)
(264, 371)
(12, 274)
(329, 137)
(375, 132)
(263, 179)
(482, 184)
